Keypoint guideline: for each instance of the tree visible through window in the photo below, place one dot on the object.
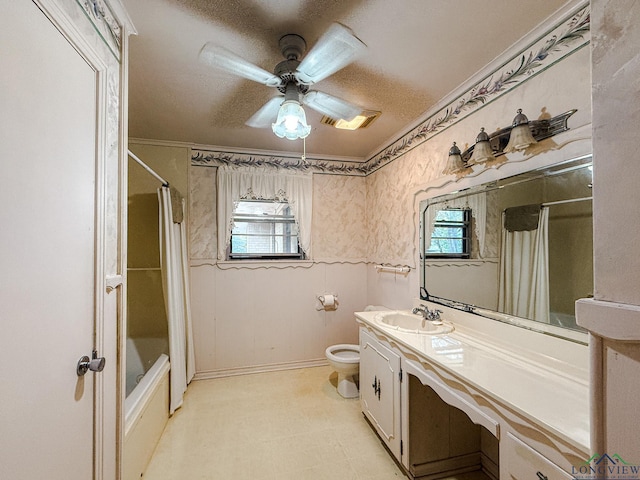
(264, 229)
(451, 236)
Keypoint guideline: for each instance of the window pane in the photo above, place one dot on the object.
(448, 232)
(445, 245)
(262, 208)
(450, 215)
(451, 234)
(264, 228)
(239, 244)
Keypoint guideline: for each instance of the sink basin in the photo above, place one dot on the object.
(410, 323)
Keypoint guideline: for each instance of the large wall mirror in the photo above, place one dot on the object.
(518, 250)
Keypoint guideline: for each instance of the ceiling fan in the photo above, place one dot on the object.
(294, 76)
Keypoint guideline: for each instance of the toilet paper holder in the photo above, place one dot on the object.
(327, 302)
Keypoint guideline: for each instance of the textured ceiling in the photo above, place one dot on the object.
(418, 52)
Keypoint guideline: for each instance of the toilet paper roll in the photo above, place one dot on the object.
(328, 301)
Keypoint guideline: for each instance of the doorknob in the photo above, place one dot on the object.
(95, 364)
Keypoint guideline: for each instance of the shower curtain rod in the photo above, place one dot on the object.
(148, 169)
(567, 201)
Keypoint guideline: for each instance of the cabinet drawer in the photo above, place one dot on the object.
(523, 462)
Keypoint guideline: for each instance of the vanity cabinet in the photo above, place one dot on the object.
(462, 403)
(425, 433)
(380, 377)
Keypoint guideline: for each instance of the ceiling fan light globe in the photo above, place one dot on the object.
(291, 122)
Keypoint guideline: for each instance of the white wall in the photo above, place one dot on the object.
(245, 318)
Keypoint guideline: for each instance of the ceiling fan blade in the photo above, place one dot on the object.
(335, 49)
(331, 106)
(267, 115)
(220, 57)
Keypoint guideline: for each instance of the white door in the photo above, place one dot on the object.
(47, 254)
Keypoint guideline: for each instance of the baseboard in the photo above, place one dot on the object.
(447, 467)
(273, 367)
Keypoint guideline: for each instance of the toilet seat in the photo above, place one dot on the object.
(343, 353)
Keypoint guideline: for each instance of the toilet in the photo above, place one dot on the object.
(345, 359)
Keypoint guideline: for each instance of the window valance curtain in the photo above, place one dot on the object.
(477, 203)
(255, 184)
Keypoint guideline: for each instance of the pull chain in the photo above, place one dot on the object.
(304, 149)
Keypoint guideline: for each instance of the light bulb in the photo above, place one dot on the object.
(290, 123)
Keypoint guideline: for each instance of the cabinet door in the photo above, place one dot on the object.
(380, 389)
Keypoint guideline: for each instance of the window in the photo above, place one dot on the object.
(451, 236)
(244, 186)
(264, 229)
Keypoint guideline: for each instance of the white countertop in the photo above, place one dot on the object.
(550, 392)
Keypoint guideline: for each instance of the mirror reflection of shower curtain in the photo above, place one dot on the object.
(175, 284)
(523, 290)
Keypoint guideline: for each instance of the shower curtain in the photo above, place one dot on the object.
(523, 290)
(175, 284)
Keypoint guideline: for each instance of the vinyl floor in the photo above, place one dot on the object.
(277, 425)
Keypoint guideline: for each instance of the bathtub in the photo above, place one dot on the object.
(146, 406)
(142, 353)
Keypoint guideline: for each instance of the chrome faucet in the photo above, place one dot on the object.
(431, 315)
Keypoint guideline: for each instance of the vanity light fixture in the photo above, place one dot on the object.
(454, 162)
(520, 137)
(482, 151)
